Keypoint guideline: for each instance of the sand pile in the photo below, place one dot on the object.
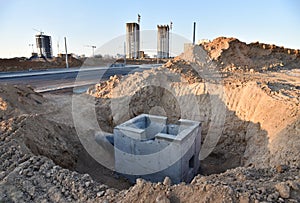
(23, 120)
(17, 100)
(236, 185)
(234, 55)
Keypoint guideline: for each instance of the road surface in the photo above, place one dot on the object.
(55, 79)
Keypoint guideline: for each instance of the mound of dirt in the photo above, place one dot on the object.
(236, 185)
(39, 156)
(22, 119)
(17, 100)
(234, 55)
(21, 64)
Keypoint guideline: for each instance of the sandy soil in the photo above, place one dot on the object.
(253, 114)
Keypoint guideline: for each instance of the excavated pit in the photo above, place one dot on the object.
(261, 112)
(231, 147)
(49, 136)
(253, 133)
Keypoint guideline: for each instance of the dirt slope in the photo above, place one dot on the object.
(39, 155)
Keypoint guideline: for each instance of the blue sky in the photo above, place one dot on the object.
(97, 22)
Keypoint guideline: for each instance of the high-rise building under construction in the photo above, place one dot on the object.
(132, 40)
(163, 41)
(44, 45)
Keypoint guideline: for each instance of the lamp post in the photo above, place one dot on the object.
(171, 26)
(31, 45)
(67, 64)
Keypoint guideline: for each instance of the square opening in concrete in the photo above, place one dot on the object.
(192, 162)
(147, 147)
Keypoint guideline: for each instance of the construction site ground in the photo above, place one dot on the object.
(256, 157)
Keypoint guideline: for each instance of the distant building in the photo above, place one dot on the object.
(132, 40)
(142, 54)
(163, 41)
(44, 46)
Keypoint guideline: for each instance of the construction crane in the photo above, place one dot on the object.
(41, 32)
(93, 48)
(139, 18)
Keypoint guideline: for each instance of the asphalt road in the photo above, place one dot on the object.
(56, 79)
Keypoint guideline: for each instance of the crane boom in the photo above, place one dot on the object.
(40, 31)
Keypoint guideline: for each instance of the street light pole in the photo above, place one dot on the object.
(67, 64)
(171, 26)
(124, 53)
(93, 47)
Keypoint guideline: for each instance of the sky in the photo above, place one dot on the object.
(97, 22)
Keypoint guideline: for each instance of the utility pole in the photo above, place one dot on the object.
(194, 33)
(137, 43)
(57, 48)
(93, 47)
(140, 44)
(67, 64)
(124, 53)
(171, 26)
